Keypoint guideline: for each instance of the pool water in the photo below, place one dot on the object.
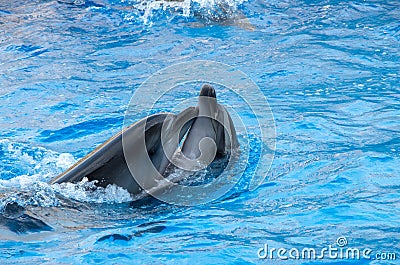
(329, 70)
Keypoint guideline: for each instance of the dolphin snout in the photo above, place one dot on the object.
(207, 91)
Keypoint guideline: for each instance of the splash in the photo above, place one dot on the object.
(20, 159)
(87, 191)
(207, 10)
(24, 179)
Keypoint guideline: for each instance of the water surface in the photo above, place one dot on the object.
(330, 72)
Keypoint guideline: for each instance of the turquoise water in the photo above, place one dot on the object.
(329, 70)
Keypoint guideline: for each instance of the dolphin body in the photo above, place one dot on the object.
(108, 164)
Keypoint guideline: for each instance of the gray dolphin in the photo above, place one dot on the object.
(209, 124)
(108, 164)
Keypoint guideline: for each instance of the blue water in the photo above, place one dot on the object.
(329, 70)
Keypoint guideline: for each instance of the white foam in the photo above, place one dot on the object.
(86, 191)
(40, 165)
(65, 160)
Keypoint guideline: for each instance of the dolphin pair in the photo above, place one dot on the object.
(139, 155)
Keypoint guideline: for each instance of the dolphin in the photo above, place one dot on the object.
(112, 162)
(209, 124)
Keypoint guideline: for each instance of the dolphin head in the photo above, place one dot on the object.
(207, 91)
(207, 104)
